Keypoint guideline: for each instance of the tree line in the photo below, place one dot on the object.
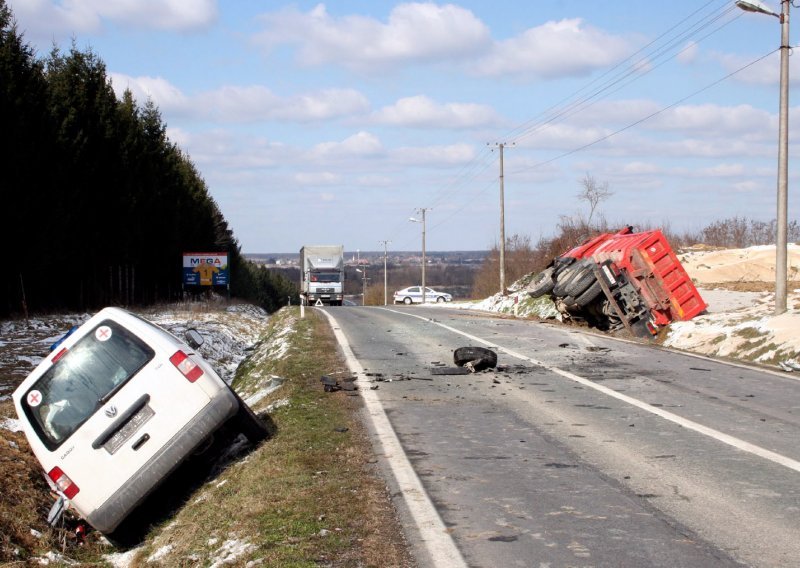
(99, 203)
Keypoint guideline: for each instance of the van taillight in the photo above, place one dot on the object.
(63, 482)
(186, 366)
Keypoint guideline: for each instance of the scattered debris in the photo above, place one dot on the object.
(789, 366)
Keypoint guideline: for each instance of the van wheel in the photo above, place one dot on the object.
(480, 357)
(248, 423)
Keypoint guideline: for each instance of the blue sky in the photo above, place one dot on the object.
(322, 123)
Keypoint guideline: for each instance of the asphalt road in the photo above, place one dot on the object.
(582, 450)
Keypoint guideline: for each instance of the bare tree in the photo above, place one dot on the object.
(593, 193)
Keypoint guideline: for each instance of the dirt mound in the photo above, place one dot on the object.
(754, 264)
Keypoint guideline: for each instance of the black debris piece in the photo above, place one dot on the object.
(449, 371)
(330, 384)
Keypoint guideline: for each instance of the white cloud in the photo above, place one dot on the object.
(554, 49)
(164, 94)
(413, 32)
(244, 104)
(233, 103)
(316, 178)
(47, 18)
(715, 120)
(421, 111)
(689, 52)
(641, 168)
(360, 144)
(434, 155)
(725, 170)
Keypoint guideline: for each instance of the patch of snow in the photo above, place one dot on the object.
(278, 404)
(230, 551)
(121, 559)
(160, 554)
(11, 424)
(55, 558)
(274, 384)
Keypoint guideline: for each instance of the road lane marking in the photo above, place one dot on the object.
(686, 423)
(432, 531)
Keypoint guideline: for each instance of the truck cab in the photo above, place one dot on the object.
(322, 274)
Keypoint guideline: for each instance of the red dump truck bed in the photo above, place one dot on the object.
(652, 267)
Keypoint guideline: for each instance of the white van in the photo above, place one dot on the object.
(116, 407)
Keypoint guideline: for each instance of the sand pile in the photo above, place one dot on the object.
(754, 264)
(741, 325)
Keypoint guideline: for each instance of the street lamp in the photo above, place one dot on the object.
(781, 237)
(385, 279)
(413, 220)
(363, 285)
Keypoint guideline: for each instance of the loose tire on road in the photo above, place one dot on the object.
(542, 283)
(480, 357)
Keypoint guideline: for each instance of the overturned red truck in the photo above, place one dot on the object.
(622, 280)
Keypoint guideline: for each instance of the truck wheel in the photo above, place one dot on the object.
(480, 357)
(567, 276)
(580, 283)
(406, 301)
(590, 295)
(542, 283)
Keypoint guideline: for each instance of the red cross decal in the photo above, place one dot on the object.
(102, 333)
(34, 398)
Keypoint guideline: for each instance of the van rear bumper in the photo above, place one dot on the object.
(111, 513)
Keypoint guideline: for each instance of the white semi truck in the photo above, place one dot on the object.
(322, 274)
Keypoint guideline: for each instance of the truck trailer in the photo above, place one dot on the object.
(322, 275)
(621, 280)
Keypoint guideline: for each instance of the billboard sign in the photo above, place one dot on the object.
(205, 269)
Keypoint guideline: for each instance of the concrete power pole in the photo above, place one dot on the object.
(385, 288)
(501, 146)
(502, 227)
(422, 211)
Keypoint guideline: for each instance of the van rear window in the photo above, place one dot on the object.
(80, 382)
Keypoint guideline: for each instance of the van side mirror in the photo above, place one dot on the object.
(193, 338)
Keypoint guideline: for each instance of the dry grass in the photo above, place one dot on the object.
(754, 286)
(26, 498)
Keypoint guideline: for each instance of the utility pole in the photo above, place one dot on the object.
(422, 211)
(385, 288)
(501, 146)
(781, 236)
